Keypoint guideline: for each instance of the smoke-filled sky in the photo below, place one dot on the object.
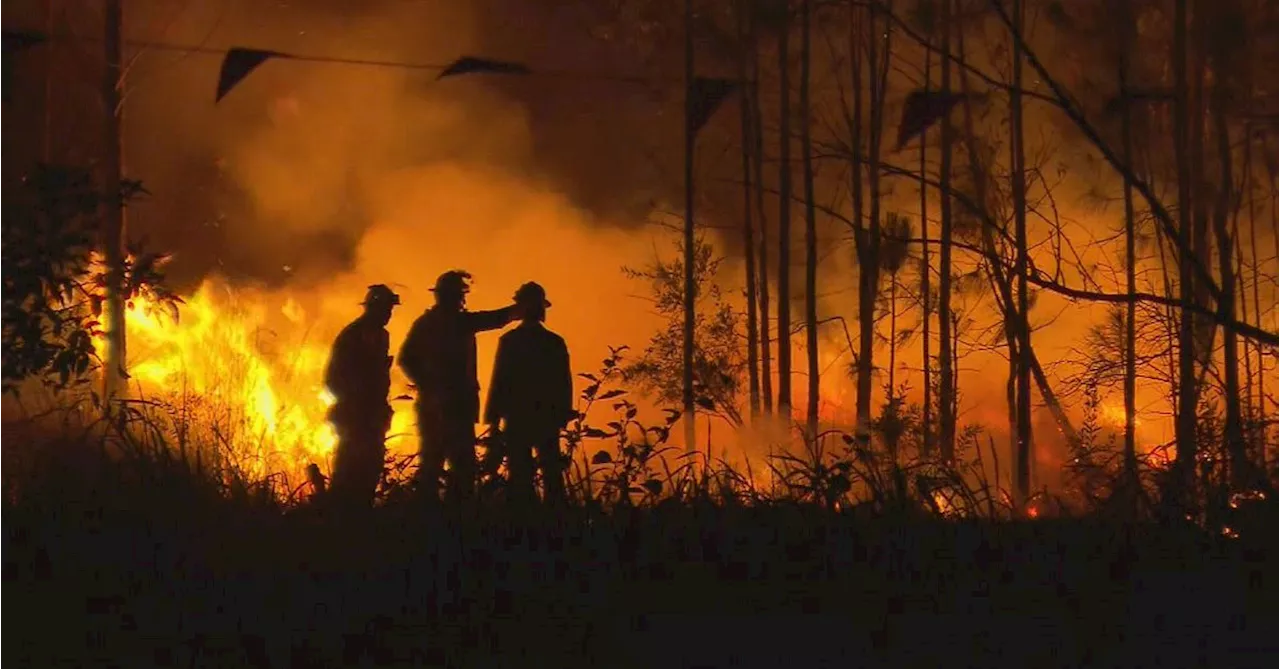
(302, 149)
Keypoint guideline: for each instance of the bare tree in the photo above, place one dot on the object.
(784, 216)
(878, 44)
(1125, 38)
(757, 130)
(113, 209)
(946, 373)
(1023, 329)
(926, 301)
(810, 230)
(1186, 411)
(1222, 62)
(747, 51)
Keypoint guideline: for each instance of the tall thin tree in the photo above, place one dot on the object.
(690, 408)
(1256, 271)
(946, 354)
(1185, 424)
(869, 262)
(1236, 451)
(757, 131)
(810, 232)
(1023, 328)
(748, 229)
(784, 217)
(113, 209)
(926, 300)
(857, 35)
(1130, 464)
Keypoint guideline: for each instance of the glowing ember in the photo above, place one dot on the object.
(1114, 416)
(943, 502)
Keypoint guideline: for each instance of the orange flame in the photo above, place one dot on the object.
(248, 373)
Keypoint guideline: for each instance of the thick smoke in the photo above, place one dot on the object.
(280, 174)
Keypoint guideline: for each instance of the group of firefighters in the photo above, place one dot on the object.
(530, 396)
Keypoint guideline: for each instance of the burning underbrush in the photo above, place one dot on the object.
(229, 389)
(235, 381)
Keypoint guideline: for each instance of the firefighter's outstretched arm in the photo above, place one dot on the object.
(481, 321)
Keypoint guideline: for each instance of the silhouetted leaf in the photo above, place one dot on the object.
(612, 394)
(601, 458)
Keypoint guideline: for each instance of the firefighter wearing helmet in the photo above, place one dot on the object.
(439, 358)
(531, 399)
(359, 378)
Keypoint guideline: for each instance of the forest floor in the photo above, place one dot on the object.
(163, 581)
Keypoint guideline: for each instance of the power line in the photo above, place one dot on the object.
(359, 62)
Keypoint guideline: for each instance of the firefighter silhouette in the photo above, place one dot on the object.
(531, 398)
(359, 377)
(439, 357)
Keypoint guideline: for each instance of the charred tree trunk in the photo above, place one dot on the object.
(860, 240)
(1023, 322)
(1014, 320)
(1236, 452)
(748, 229)
(1130, 463)
(810, 233)
(757, 131)
(690, 407)
(114, 366)
(1186, 410)
(925, 298)
(784, 222)
(1001, 282)
(946, 354)
(869, 266)
(1261, 410)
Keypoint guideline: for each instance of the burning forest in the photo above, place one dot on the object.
(900, 298)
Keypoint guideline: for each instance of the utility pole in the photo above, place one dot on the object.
(113, 208)
(47, 113)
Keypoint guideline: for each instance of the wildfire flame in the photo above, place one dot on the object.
(247, 370)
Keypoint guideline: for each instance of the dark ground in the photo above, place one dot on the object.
(680, 587)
